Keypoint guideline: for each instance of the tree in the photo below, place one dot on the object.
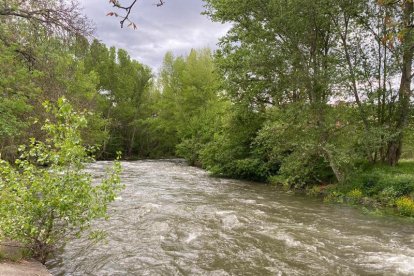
(47, 196)
(405, 28)
(312, 54)
(54, 16)
(187, 95)
(17, 90)
(121, 85)
(280, 56)
(376, 44)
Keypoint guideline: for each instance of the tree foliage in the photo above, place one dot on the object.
(184, 102)
(47, 196)
(327, 69)
(123, 85)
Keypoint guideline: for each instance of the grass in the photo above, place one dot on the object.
(378, 186)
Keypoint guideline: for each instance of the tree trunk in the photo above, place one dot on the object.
(131, 143)
(404, 93)
(340, 177)
(394, 151)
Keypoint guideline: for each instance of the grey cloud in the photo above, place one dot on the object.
(177, 26)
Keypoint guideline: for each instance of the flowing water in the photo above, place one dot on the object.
(172, 219)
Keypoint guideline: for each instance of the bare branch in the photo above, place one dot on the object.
(55, 16)
(128, 9)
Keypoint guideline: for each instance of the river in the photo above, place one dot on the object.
(172, 219)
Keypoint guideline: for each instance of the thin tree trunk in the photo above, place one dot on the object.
(333, 164)
(404, 93)
(131, 142)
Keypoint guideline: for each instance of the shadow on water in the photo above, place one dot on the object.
(172, 219)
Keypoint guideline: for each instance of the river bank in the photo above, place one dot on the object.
(380, 188)
(13, 262)
(23, 268)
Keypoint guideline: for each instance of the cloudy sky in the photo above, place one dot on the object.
(177, 26)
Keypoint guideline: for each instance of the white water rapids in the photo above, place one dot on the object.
(172, 219)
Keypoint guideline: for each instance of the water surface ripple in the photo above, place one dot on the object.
(172, 219)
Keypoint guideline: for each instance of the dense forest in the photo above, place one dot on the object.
(299, 93)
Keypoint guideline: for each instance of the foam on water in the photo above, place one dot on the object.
(380, 261)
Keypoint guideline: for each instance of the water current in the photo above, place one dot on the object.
(173, 219)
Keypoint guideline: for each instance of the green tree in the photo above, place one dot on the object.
(186, 103)
(280, 56)
(47, 195)
(328, 69)
(122, 84)
(18, 89)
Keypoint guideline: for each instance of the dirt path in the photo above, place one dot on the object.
(10, 250)
(23, 268)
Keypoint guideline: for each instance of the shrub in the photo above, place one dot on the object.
(251, 168)
(369, 181)
(314, 190)
(388, 196)
(278, 180)
(382, 181)
(403, 185)
(334, 197)
(189, 149)
(47, 196)
(355, 195)
(405, 206)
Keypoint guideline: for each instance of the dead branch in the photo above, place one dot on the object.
(127, 9)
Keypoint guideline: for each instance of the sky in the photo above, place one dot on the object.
(177, 26)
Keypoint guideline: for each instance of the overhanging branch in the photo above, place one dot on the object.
(127, 9)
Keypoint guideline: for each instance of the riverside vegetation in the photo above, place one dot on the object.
(310, 95)
(47, 197)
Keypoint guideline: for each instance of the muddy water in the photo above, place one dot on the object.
(172, 219)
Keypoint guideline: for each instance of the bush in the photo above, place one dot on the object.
(403, 185)
(189, 149)
(380, 186)
(383, 181)
(334, 197)
(405, 206)
(388, 196)
(251, 168)
(301, 170)
(355, 195)
(370, 182)
(47, 196)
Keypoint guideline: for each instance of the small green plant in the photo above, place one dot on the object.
(355, 195)
(405, 206)
(46, 196)
(388, 196)
(279, 180)
(334, 197)
(314, 190)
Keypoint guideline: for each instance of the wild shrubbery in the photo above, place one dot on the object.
(46, 196)
(379, 185)
(405, 206)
